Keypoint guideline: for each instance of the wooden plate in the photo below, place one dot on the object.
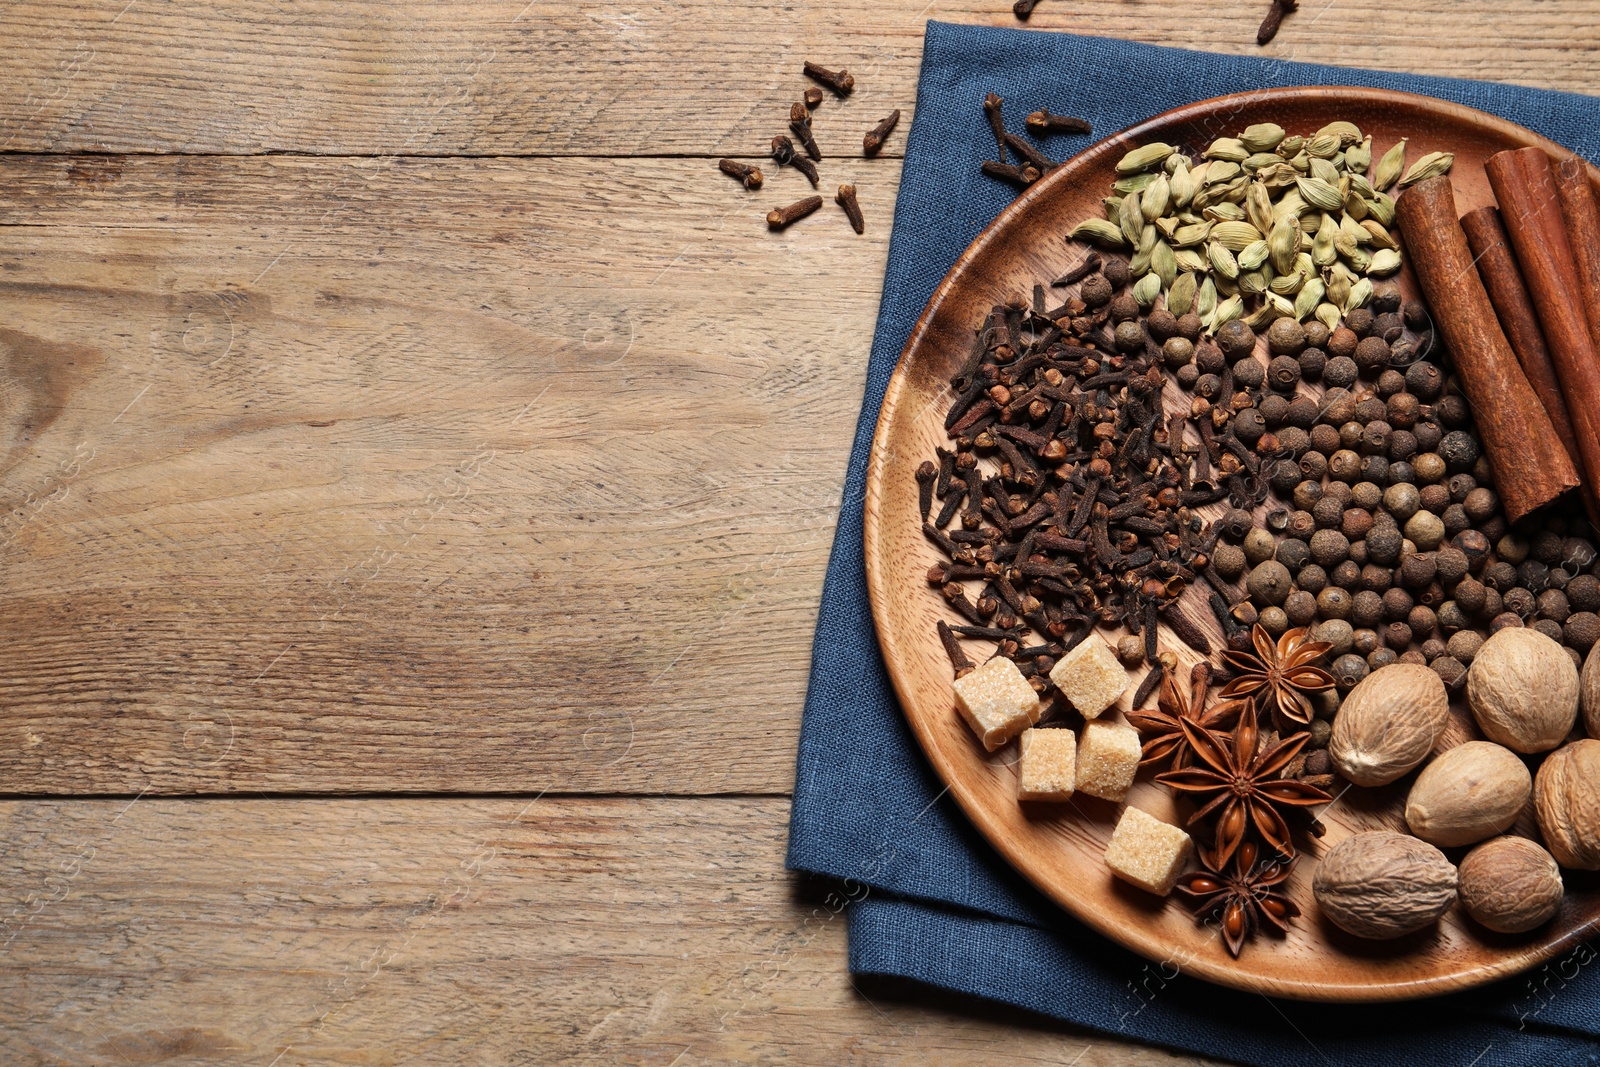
(1060, 848)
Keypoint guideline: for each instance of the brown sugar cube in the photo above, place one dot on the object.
(1107, 759)
(1048, 761)
(997, 702)
(1090, 677)
(1147, 852)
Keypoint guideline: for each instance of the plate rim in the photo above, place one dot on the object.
(1140, 940)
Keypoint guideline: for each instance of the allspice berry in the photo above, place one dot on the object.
(1342, 343)
(1177, 352)
(1371, 355)
(1269, 583)
(1229, 560)
(1095, 291)
(1285, 337)
(1236, 339)
(1259, 545)
(1130, 651)
(1510, 885)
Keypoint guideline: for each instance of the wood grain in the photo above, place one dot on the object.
(437, 931)
(534, 77)
(417, 474)
(1061, 849)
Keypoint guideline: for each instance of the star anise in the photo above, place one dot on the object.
(1279, 676)
(1242, 786)
(1165, 743)
(1243, 894)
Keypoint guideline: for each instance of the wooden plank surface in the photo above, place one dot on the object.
(537, 77)
(439, 931)
(430, 475)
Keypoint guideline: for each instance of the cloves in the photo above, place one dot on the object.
(1023, 176)
(813, 98)
(873, 141)
(1023, 8)
(1042, 121)
(1021, 147)
(846, 198)
(783, 154)
(991, 111)
(800, 126)
(750, 176)
(1274, 19)
(840, 81)
(780, 217)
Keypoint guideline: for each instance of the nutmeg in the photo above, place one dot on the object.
(1473, 791)
(1510, 885)
(1589, 685)
(1389, 723)
(1566, 798)
(1383, 885)
(1523, 690)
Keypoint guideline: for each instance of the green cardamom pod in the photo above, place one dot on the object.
(1323, 250)
(1432, 165)
(1134, 183)
(1377, 235)
(1338, 289)
(1320, 194)
(1252, 283)
(1360, 293)
(1282, 306)
(1385, 261)
(1358, 158)
(1190, 260)
(1146, 289)
(1359, 259)
(1287, 284)
(1283, 241)
(1361, 187)
(1191, 235)
(1328, 315)
(1381, 207)
(1180, 298)
(1205, 301)
(1261, 317)
(1390, 166)
(1220, 171)
(1164, 264)
(1230, 309)
(1168, 226)
(1356, 232)
(1321, 168)
(1235, 236)
(1231, 149)
(1356, 207)
(1309, 297)
(1182, 186)
(1324, 145)
(1290, 205)
(1154, 200)
(1222, 261)
(1226, 287)
(1258, 207)
(1139, 265)
(1348, 133)
(1290, 146)
(1261, 161)
(1262, 137)
(1113, 207)
(1253, 255)
(1278, 177)
(1144, 157)
(1100, 232)
(1236, 189)
(1132, 218)
(1224, 212)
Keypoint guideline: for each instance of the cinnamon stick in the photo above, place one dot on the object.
(1497, 265)
(1525, 184)
(1582, 217)
(1531, 466)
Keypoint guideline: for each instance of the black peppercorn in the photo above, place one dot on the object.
(1236, 339)
(1340, 371)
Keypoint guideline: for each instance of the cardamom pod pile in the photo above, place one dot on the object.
(1266, 225)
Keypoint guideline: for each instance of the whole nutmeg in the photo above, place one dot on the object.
(1523, 690)
(1383, 885)
(1510, 885)
(1473, 791)
(1389, 723)
(1589, 684)
(1566, 798)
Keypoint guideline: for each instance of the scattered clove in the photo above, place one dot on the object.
(1042, 121)
(1274, 19)
(784, 154)
(1027, 151)
(813, 97)
(750, 176)
(1023, 176)
(846, 199)
(991, 109)
(1023, 8)
(800, 125)
(780, 217)
(840, 81)
(873, 141)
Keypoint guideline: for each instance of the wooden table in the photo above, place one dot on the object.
(420, 469)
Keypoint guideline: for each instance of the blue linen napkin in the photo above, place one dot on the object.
(933, 902)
